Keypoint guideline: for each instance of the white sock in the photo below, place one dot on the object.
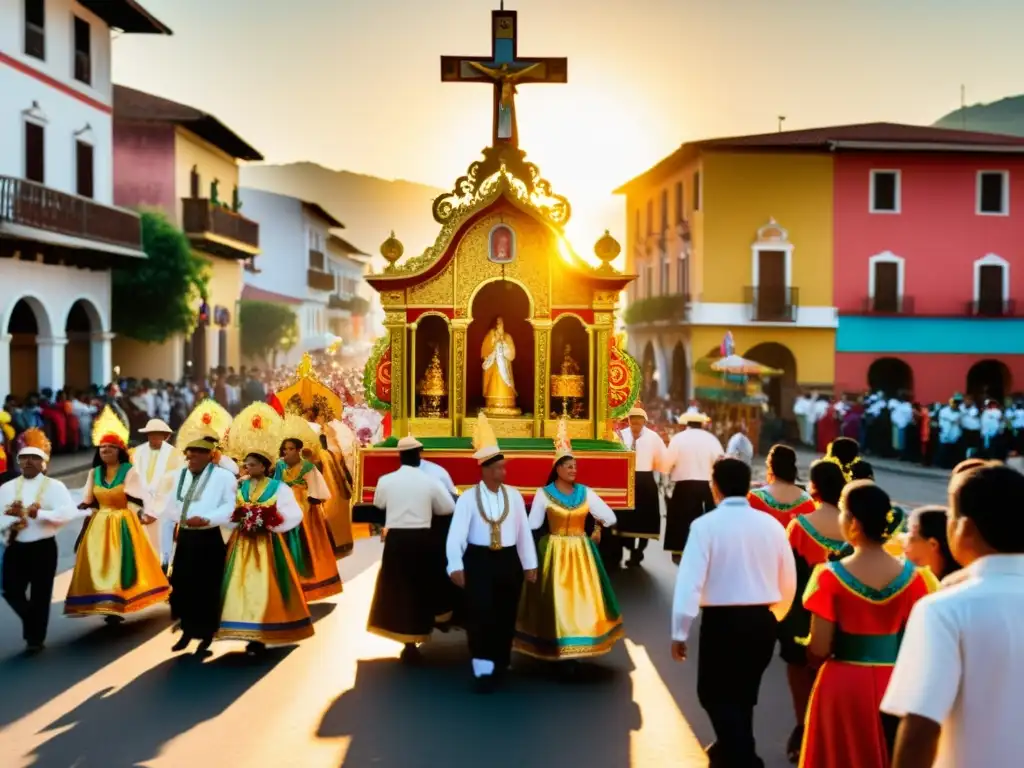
(482, 667)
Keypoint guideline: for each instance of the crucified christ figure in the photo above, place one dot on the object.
(506, 102)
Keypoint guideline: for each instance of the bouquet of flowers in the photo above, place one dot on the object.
(255, 518)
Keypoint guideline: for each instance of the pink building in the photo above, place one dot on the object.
(929, 264)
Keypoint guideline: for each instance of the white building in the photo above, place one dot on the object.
(59, 232)
(304, 265)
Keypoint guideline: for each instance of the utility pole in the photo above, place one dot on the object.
(782, 119)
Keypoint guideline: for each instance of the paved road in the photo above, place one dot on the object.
(104, 697)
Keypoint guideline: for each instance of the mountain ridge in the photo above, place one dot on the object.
(1005, 116)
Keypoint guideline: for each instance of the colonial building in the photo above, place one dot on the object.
(733, 235)
(60, 232)
(305, 265)
(351, 306)
(185, 162)
(929, 262)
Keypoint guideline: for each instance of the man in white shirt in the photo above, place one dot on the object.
(33, 507)
(153, 460)
(202, 499)
(740, 446)
(970, 423)
(957, 680)
(738, 569)
(406, 594)
(689, 458)
(949, 434)
(801, 411)
(440, 474)
(490, 548)
(636, 526)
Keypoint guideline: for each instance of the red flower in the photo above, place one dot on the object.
(207, 418)
(252, 518)
(257, 422)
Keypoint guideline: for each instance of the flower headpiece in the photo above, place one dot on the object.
(563, 446)
(847, 469)
(207, 417)
(257, 429)
(109, 430)
(35, 443)
(295, 427)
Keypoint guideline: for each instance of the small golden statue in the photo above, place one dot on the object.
(498, 351)
(568, 385)
(432, 388)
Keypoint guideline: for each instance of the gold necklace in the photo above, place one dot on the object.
(495, 524)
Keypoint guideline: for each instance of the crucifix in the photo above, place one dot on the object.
(505, 70)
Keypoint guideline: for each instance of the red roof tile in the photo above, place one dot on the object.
(252, 293)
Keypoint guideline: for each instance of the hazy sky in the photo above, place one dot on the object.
(354, 84)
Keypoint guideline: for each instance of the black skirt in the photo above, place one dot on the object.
(406, 598)
(196, 576)
(494, 582)
(644, 520)
(690, 499)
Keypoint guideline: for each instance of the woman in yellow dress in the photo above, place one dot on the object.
(309, 543)
(262, 601)
(570, 611)
(116, 570)
(329, 459)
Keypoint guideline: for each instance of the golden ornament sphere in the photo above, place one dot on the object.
(607, 249)
(392, 249)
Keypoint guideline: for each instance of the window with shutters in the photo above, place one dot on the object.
(885, 192)
(83, 51)
(885, 283)
(993, 193)
(35, 28)
(696, 191)
(84, 169)
(650, 216)
(35, 154)
(992, 286)
(680, 214)
(664, 210)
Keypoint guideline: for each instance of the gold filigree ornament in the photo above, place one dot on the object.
(607, 249)
(392, 250)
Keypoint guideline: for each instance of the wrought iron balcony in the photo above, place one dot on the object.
(772, 305)
(219, 230)
(992, 308)
(320, 281)
(36, 206)
(888, 305)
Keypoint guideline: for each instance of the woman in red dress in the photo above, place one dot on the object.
(781, 497)
(859, 607)
(828, 427)
(816, 538)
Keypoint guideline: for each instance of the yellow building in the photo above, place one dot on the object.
(733, 235)
(185, 162)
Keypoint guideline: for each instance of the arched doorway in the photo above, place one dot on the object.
(989, 379)
(680, 374)
(431, 336)
(569, 339)
(510, 302)
(649, 371)
(891, 376)
(27, 323)
(83, 321)
(781, 390)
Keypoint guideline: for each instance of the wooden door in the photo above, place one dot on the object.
(990, 290)
(887, 298)
(771, 285)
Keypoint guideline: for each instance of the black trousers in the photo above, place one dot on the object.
(736, 645)
(29, 569)
(690, 499)
(494, 582)
(196, 576)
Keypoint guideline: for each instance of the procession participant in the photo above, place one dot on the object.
(689, 458)
(309, 543)
(34, 508)
(738, 570)
(970, 422)
(781, 497)
(489, 548)
(327, 456)
(950, 432)
(153, 460)
(570, 611)
(206, 419)
(926, 544)
(404, 598)
(202, 500)
(859, 606)
(116, 570)
(991, 431)
(262, 599)
(635, 526)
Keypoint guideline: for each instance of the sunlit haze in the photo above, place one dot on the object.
(355, 85)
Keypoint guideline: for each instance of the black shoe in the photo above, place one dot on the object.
(33, 648)
(254, 649)
(182, 643)
(794, 744)
(113, 620)
(635, 558)
(411, 654)
(204, 645)
(485, 685)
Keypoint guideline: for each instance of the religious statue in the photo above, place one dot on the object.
(498, 352)
(506, 103)
(569, 366)
(432, 388)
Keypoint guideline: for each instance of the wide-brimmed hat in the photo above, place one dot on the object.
(694, 417)
(409, 443)
(156, 425)
(637, 411)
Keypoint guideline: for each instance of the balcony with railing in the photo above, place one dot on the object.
(38, 207)
(219, 230)
(320, 281)
(772, 305)
(887, 305)
(992, 308)
(667, 309)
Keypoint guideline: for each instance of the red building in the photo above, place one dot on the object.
(929, 263)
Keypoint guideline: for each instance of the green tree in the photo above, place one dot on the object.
(154, 299)
(267, 328)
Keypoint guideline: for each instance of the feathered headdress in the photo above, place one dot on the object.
(209, 417)
(485, 442)
(295, 427)
(35, 443)
(257, 429)
(563, 446)
(109, 430)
